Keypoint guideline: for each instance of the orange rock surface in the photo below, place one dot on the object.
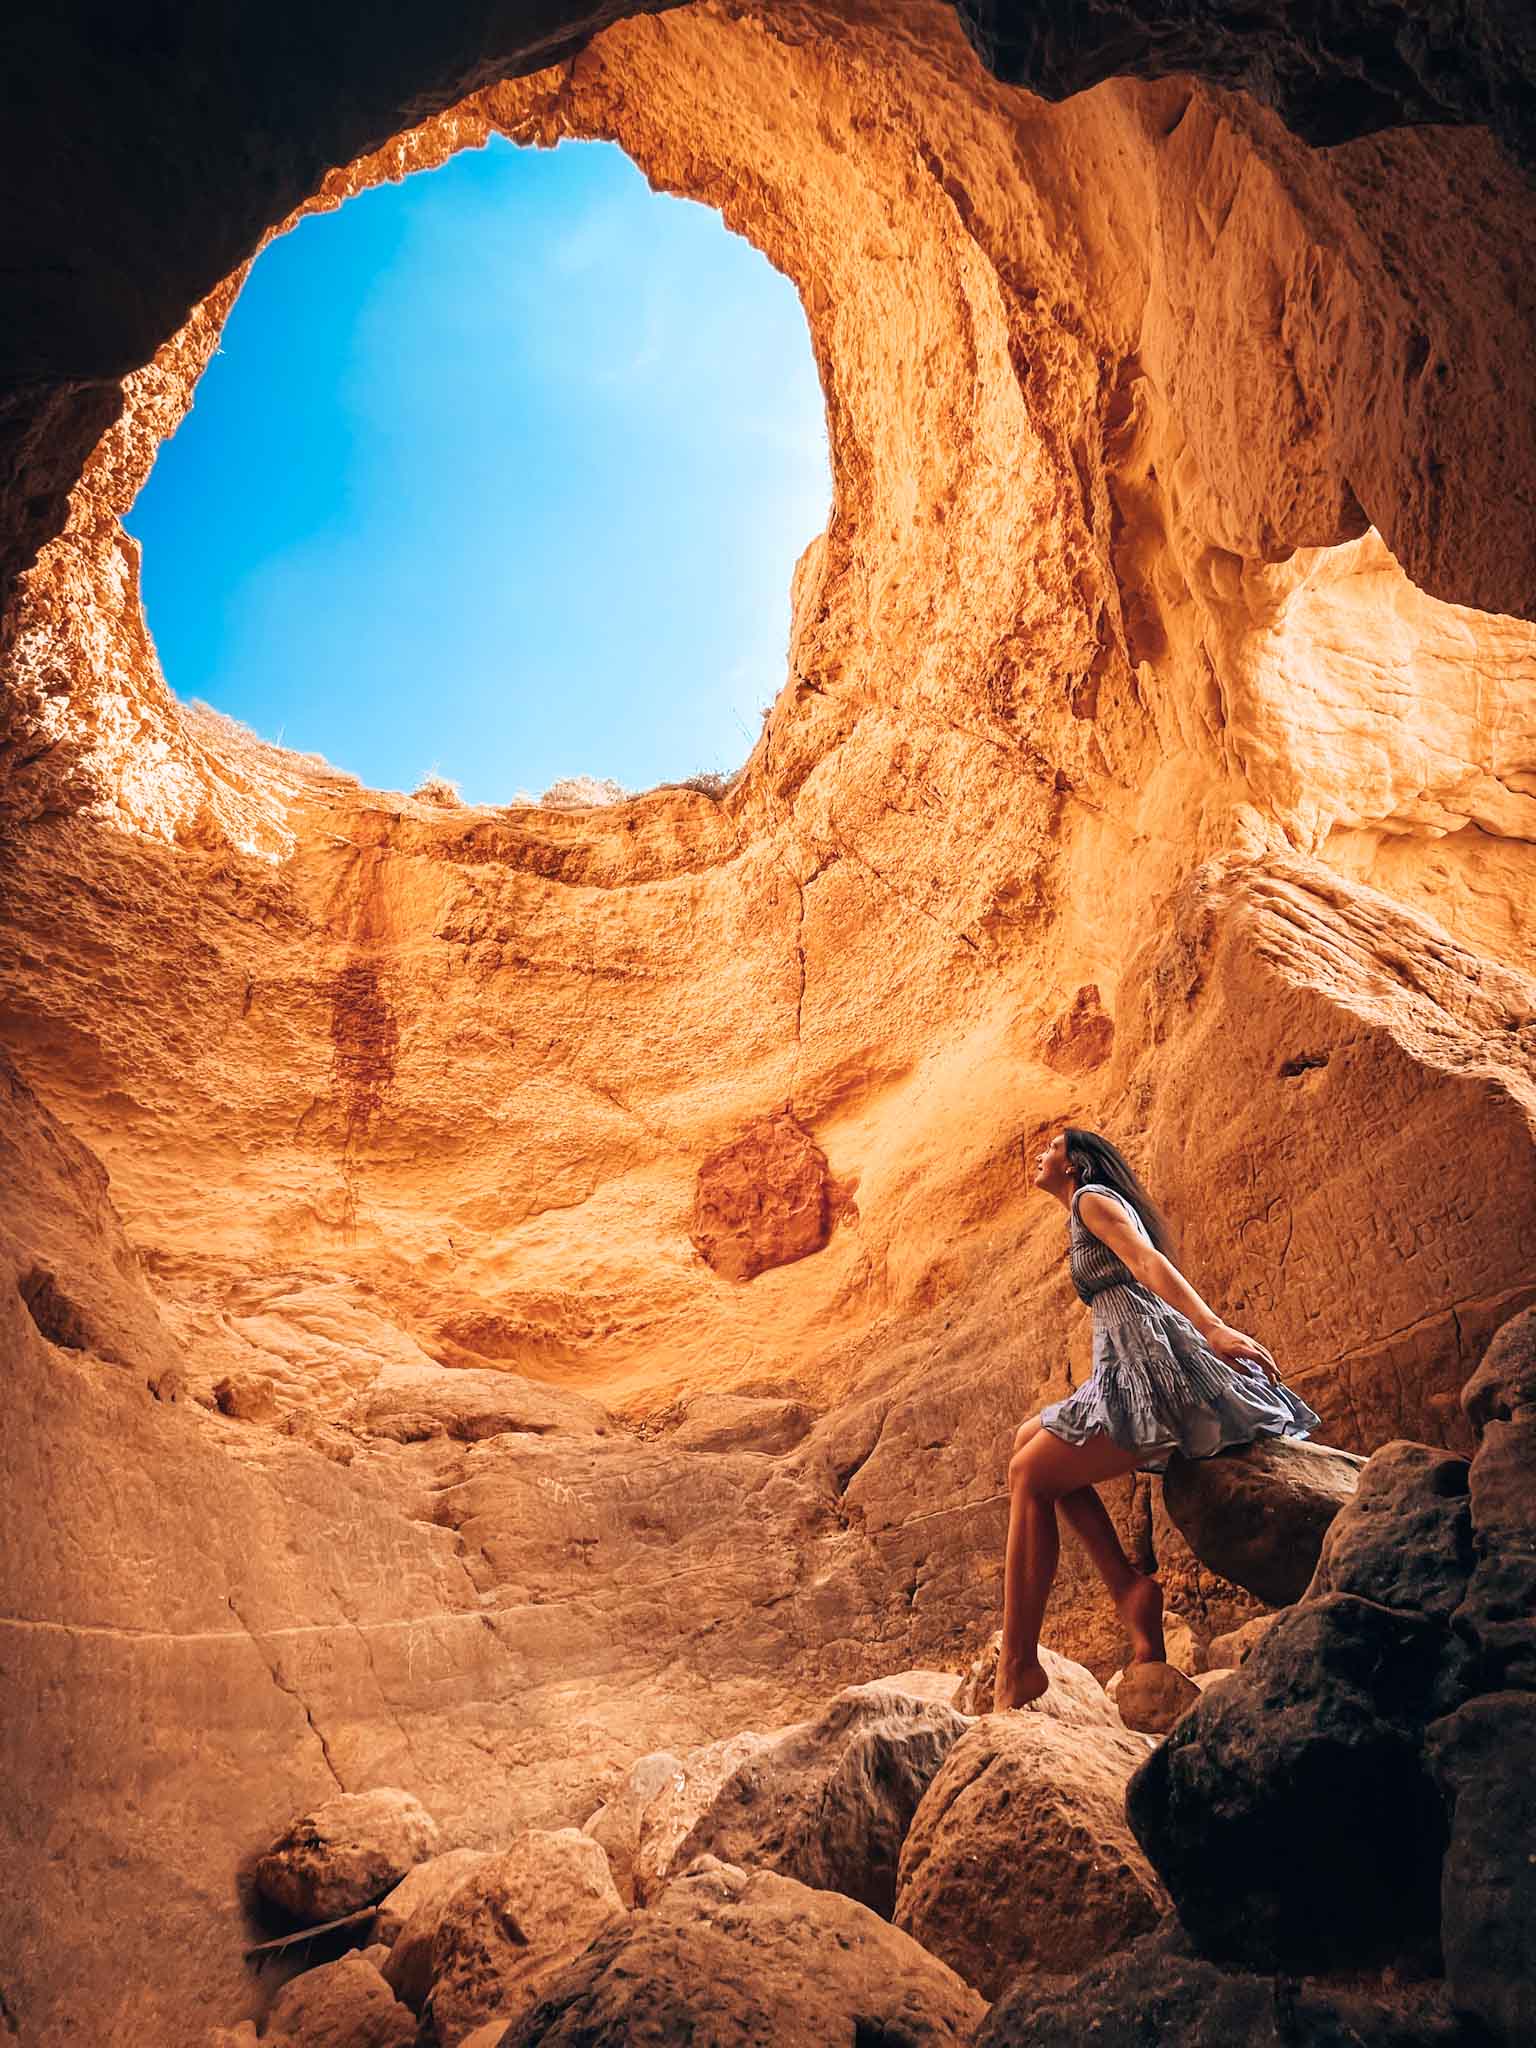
(381, 1178)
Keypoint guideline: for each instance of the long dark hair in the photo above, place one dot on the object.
(1097, 1163)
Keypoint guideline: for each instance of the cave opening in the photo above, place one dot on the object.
(495, 482)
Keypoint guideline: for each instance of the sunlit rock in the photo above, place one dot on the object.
(1020, 1856)
(727, 1954)
(346, 1854)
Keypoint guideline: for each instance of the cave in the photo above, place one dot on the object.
(494, 1293)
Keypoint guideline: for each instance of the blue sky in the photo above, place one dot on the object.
(502, 472)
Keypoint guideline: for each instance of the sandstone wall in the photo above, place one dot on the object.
(1121, 774)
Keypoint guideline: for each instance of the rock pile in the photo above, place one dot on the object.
(766, 1871)
(1355, 1800)
(1331, 1844)
(727, 1955)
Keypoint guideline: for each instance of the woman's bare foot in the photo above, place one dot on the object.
(1141, 1609)
(1017, 1685)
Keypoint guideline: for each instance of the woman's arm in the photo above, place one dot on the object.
(1110, 1225)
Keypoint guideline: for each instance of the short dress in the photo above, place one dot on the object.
(1156, 1384)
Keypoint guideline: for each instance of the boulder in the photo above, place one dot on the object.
(1404, 1539)
(1074, 1694)
(346, 1854)
(1150, 1697)
(1213, 1604)
(1290, 1812)
(345, 2004)
(1183, 1647)
(407, 1969)
(1258, 1513)
(615, 1826)
(1497, 1616)
(827, 1802)
(730, 1957)
(1157, 1991)
(511, 1925)
(1020, 1857)
(743, 1422)
(1506, 1380)
(1482, 1755)
(682, 1802)
(429, 1881)
(1228, 1651)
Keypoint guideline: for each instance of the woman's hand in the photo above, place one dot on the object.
(1233, 1345)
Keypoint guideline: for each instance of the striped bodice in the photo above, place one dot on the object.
(1094, 1266)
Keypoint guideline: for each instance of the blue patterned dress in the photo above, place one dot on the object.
(1156, 1384)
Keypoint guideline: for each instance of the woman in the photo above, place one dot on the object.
(1168, 1374)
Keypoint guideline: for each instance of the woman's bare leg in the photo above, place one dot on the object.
(1138, 1597)
(1029, 1568)
(1041, 1474)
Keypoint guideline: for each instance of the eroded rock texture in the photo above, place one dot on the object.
(1259, 1514)
(727, 1955)
(1154, 752)
(1159, 1989)
(1333, 73)
(828, 1802)
(1355, 1798)
(1020, 1858)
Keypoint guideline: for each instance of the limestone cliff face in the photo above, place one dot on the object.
(1141, 761)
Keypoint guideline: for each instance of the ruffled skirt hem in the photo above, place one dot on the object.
(1158, 1387)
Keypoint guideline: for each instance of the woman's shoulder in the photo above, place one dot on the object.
(1099, 1187)
(1125, 1207)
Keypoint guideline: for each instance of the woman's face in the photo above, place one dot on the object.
(1051, 1168)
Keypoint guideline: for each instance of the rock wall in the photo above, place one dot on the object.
(1121, 774)
(1332, 76)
